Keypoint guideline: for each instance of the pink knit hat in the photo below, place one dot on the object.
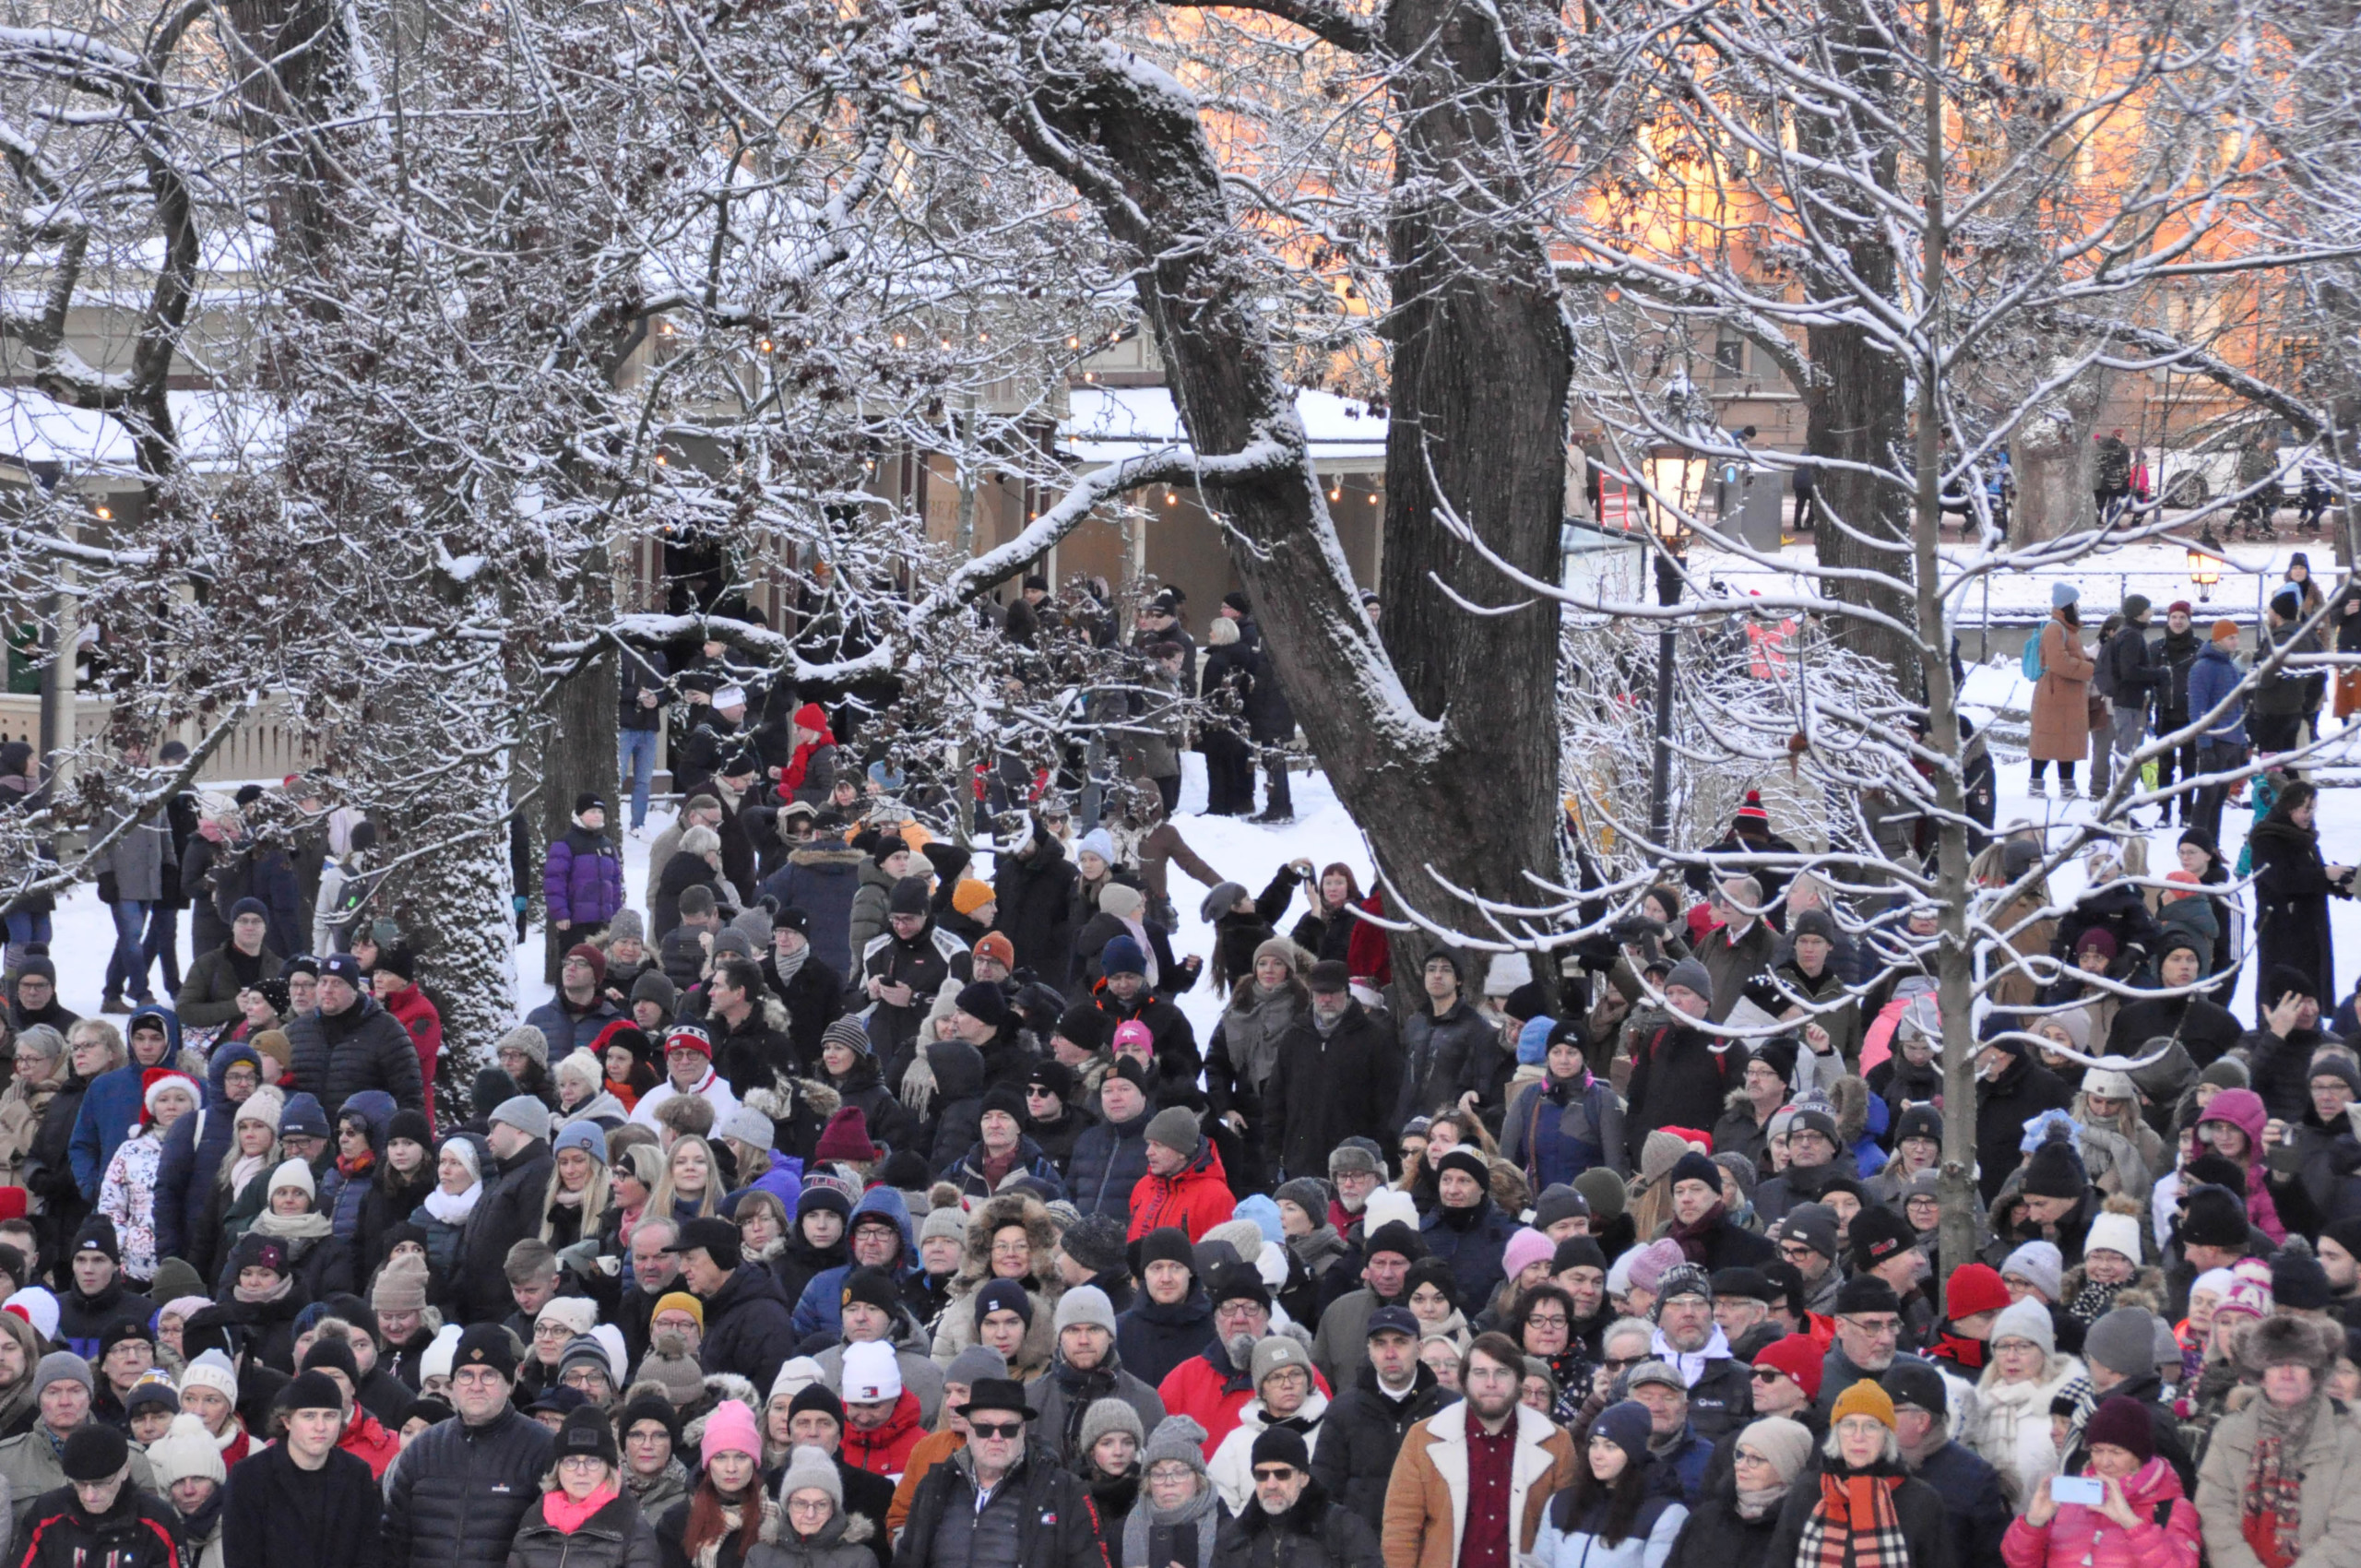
(730, 1429)
(1527, 1245)
(1653, 1262)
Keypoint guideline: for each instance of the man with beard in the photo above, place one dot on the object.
(1293, 1511)
(1367, 1422)
(1085, 1367)
(1213, 1385)
(1700, 1223)
(1475, 1478)
(1690, 1341)
(1869, 1330)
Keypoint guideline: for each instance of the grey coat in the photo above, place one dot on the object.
(137, 860)
(2330, 1534)
(1053, 1397)
(843, 1542)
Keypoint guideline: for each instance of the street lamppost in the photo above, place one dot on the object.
(1676, 473)
(2205, 563)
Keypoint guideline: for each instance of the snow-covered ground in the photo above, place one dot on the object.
(1322, 831)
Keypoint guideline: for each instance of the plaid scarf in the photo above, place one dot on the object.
(1856, 1525)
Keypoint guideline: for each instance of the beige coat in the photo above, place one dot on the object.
(1426, 1500)
(2329, 1535)
(20, 1112)
(2061, 708)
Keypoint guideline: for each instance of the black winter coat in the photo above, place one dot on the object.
(1325, 1089)
(1107, 1161)
(1154, 1336)
(813, 1000)
(2205, 1029)
(509, 1210)
(458, 1492)
(750, 1054)
(364, 1047)
(820, 879)
(2117, 910)
(890, 1122)
(1315, 1533)
(2003, 1105)
(1714, 1537)
(2291, 894)
(617, 1536)
(749, 1326)
(1034, 892)
(273, 1511)
(138, 1532)
(1925, 1530)
(1056, 1525)
(1678, 1080)
(1362, 1436)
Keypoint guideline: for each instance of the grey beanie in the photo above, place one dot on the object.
(1220, 902)
(1308, 1193)
(976, 1364)
(1351, 1155)
(2040, 1264)
(525, 1113)
(627, 926)
(63, 1366)
(1109, 1415)
(527, 1038)
(1175, 1128)
(808, 1469)
(1688, 972)
(1085, 1304)
(1175, 1437)
(655, 985)
(2124, 1341)
(1556, 1202)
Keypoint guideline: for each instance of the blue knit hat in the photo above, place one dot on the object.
(1122, 955)
(586, 1136)
(1626, 1426)
(1532, 1040)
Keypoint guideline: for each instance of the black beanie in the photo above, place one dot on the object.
(654, 1408)
(821, 1398)
(95, 1451)
(1168, 1243)
(1085, 1026)
(2053, 1172)
(1577, 1251)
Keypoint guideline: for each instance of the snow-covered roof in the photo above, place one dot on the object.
(216, 430)
(1110, 423)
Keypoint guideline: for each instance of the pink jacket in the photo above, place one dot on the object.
(2077, 1534)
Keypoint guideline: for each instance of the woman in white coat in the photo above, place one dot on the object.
(2025, 1372)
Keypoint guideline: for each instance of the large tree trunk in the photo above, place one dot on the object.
(2054, 462)
(1452, 778)
(453, 907)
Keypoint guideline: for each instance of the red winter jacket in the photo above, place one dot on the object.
(415, 1012)
(2080, 1535)
(1207, 1390)
(886, 1450)
(1196, 1200)
(366, 1439)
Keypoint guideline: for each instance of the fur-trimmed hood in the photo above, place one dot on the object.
(719, 1386)
(993, 1214)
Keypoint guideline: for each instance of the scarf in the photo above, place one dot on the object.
(569, 1515)
(732, 1520)
(350, 1165)
(1696, 1241)
(1855, 1525)
(293, 1227)
(787, 964)
(1967, 1354)
(1752, 1505)
(1691, 1364)
(2094, 1301)
(1148, 949)
(2272, 1506)
(452, 1208)
(247, 1167)
(276, 1293)
(1138, 1543)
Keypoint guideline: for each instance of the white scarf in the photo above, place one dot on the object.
(248, 1166)
(1148, 949)
(1691, 1364)
(452, 1208)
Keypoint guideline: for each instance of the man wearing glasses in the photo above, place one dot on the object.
(1000, 1499)
(1868, 1334)
(1807, 1241)
(1289, 1502)
(1690, 1341)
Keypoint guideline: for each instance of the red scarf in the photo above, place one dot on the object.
(569, 1515)
(1965, 1354)
(1856, 1525)
(354, 1165)
(1696, 1241)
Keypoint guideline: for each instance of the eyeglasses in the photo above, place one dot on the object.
(1546, 1320)
(1275, 1472)
(809, 1505)
(1796, 1250)
(996, 1428)
(581, 1462)
(1886, 1330)
(552, 1331)
(1767, 1374)
(1619, 1363)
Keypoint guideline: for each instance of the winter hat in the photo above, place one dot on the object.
(1130, 1032)
(1004, 1295)
(844, 1138)
(2038, 1263)
(910, 895)
(811, 1469)
(1274, 1353)
(585, 1136)
(1625, 1424)
(1109, 1415)
(1175, 1128)
(1604, 1191)
(1974, 1288)
(335, 1353)
(527, 1038)
(1798, 1357)
(1095, 1242)
(1691, 974)
(95, 1452)
(61, 1366)
(1685, 1280)
(1280, 1445)
(1177, 1438)
(947, 1222)
(186, 1449)
(436, 1360)
(1386, 1206)
(2122, 1422)
(974, 1366)
(671, 1368)
(1786, 1444)
(1864, 1399)
(295, 1174)
(1085, 1304)
(37, 1306)
(1526, 1246)
(1877, 1234)
(2290, 1341)
(2298, 1283)
(1557, 1201)
(1653, 1262)
(1122, 955)
(214, 1370)
(1122, 901)
(2027, 1320)
(2054, 1173)
(525, 1113)
(1814, 1225)
(730, 1429)
(1865, 1293)
(2123, 1341)
(1694, 1167)
(2213, 1216)
(2118, 1234)
(576, 1312)
(1469, 1161)
(2108, 1083)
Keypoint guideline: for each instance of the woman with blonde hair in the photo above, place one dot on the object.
(2023, 1372)
(574, 1206)
(690, 1187)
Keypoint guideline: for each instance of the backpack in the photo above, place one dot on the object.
(2031, 663)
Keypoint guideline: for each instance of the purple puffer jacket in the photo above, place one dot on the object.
(583, 879)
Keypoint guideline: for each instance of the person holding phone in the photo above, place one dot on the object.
(2126, 1510)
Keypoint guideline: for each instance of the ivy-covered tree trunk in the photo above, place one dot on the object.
(452, 904)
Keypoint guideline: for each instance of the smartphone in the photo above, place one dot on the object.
(2088, 1491)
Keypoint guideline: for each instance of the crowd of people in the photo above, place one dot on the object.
(854, 1203)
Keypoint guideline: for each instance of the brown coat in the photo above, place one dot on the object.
(2015, 988)
(2061, 707)
(1426, 1500)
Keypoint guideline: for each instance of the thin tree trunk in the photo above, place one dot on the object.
(578, 757)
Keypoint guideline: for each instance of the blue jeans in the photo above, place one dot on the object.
(128, 965)
(635, 760)
(25, 926)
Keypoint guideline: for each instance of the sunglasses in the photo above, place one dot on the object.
(996, 1428)
(1767, 1374)
(1275, 1473)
